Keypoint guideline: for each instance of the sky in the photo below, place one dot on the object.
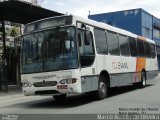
(82, 7)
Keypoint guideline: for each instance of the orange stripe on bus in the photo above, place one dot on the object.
(141, 38)
(141, 64)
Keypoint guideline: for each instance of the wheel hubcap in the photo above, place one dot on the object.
(102, 89)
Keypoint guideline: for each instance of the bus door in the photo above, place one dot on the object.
(87, 57)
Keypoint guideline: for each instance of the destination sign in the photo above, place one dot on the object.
(48, 23)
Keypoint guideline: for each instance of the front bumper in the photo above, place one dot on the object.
(52, 90)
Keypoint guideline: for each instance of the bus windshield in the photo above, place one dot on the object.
(49, 50)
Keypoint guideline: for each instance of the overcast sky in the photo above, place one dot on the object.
(82, 7)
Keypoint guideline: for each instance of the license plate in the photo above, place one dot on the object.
(62, 87)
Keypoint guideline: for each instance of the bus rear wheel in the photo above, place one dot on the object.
(142, 83)
(102, 88)
(60, 97)
(143, 80)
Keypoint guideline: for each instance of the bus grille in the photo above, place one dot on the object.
(45, 84)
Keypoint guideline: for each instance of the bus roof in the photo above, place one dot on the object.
(105, 26)
(99, 25)
(111, 28)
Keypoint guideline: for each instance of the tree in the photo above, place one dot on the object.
(14, 32)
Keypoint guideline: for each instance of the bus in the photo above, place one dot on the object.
(72, 55)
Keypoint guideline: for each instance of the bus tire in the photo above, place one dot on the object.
(60, 97)
(143, 80)
(102, 88)
(142, 83)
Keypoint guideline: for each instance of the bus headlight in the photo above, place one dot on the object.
(63, 81)
(68, 81)
(27, 84)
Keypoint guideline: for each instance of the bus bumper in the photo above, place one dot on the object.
(51, 91)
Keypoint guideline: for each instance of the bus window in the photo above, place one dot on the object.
(140, 48)
(113, 44)
(101, 41)
(133, 46)
(86, 49)
(153, 52)
(88, 39)
(147, 50)
(124, 47)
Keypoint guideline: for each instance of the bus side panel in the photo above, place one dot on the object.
(128, 68)
(110, 64)
(152, 68)
(151, 74)
(89, 83)
(149, 66)
(155, 64)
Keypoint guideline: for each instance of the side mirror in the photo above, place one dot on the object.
(83, 26)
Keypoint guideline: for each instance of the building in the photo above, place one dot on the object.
(137, 21)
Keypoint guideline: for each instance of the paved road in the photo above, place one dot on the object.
(122, 99)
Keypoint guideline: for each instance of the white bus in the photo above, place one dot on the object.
(68, 54)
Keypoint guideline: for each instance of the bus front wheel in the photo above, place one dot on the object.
(102, 88)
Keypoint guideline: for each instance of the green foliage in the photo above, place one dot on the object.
(14, 32)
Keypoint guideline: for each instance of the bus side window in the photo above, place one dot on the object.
(140, 48)
(101, 41)
(147, 50)
(113, 43)
(88, 43)
(124, 45)
(153, 52)
(86, 49)
(80, 35)
(133, 46)
(87, 38)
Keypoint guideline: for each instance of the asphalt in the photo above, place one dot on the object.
(127, 97)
